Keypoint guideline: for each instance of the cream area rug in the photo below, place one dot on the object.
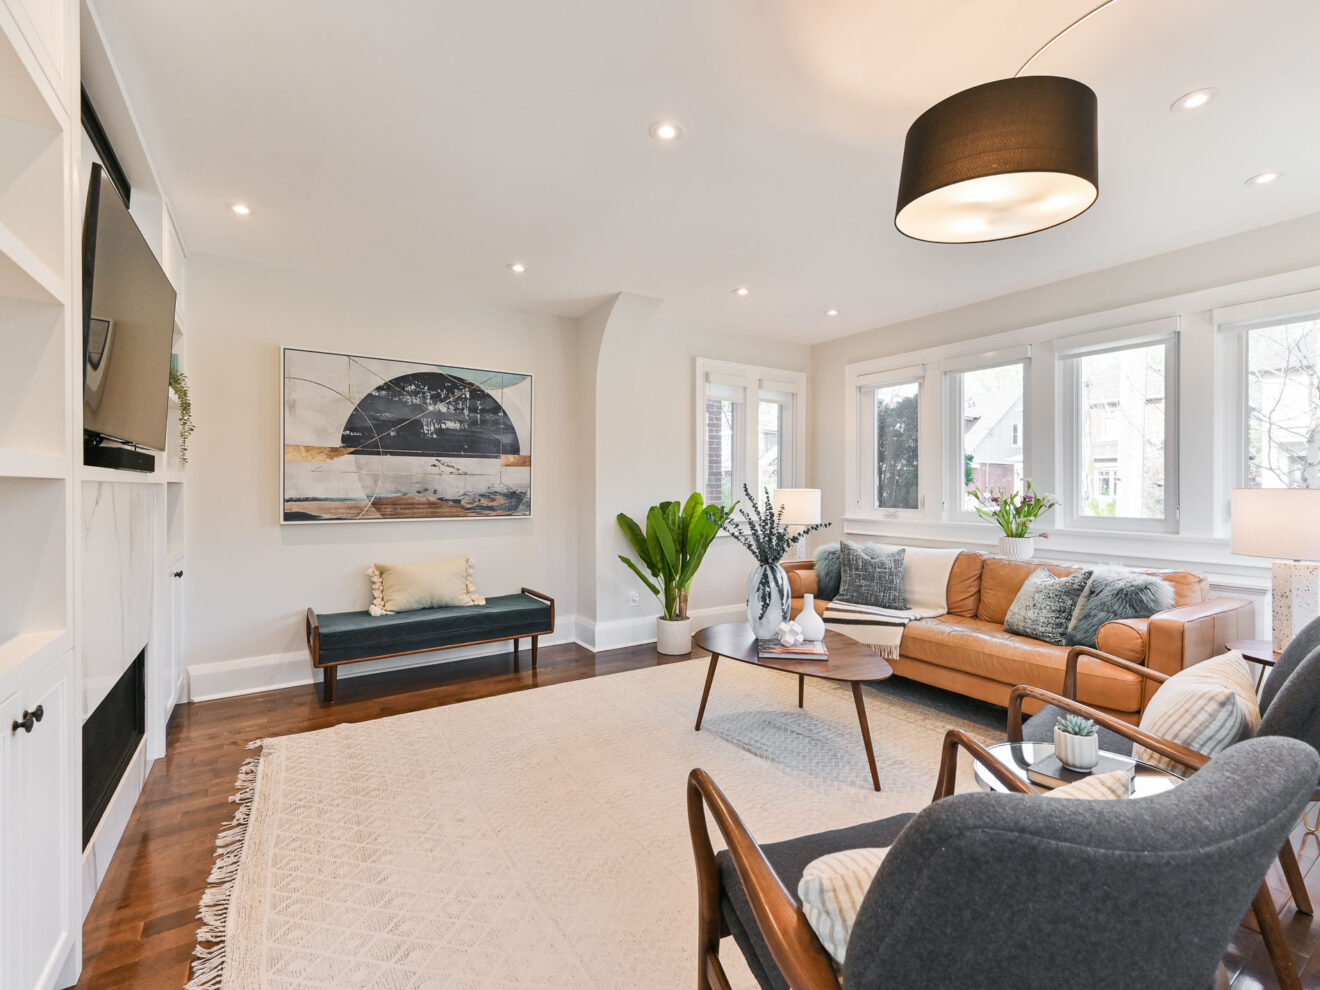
(536, 839)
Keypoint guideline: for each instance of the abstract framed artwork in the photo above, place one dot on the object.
(368, 439)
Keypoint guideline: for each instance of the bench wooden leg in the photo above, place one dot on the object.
(515, 647)
(331, 682)
(536, 642)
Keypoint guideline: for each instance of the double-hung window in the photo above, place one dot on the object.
(985, 426)
(1118, 426)
(889, 435)
(1281, 382)
(749, 425)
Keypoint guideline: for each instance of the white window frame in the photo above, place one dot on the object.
(774, 384)
(953, 370)
(1068, 389)
(1232, 324)
(859, 435)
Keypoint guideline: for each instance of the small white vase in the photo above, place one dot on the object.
(809, 620)
(1077, 752)
(673, 636)
(1017, 547)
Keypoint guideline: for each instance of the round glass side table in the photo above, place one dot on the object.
(1017, 757)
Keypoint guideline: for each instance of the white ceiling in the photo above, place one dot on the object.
(432, 143)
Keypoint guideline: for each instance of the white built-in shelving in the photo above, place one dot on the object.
(40, 941)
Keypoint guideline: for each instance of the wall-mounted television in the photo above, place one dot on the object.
(128, 325)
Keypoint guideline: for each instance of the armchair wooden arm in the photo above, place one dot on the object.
(1077, 652)
(801, 959)
(1173, 751)
(948, 776)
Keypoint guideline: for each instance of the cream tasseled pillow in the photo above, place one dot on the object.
(831, 891)
(833, 887)
(1206, 707)
(1099, 786)
(428, 584)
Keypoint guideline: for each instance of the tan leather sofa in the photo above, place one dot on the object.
(968, 650)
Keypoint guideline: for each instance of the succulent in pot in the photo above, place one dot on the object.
(1077, 742)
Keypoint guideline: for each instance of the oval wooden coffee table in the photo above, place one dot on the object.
(850, 662)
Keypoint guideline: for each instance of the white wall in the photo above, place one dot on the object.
(251, 579)
(1284, 247)
(646, 453)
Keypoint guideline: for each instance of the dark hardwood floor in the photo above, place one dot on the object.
(141, 929)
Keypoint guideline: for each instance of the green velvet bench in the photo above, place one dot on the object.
(338, 638)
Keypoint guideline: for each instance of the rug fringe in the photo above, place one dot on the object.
(208, 968)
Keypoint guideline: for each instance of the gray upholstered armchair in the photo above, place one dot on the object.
(1290, 708)
(1014, 890)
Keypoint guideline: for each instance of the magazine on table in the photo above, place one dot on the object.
(772, 649)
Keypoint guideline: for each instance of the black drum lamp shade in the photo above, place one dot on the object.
(999, 160)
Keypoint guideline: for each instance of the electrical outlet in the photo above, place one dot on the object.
(634, 599)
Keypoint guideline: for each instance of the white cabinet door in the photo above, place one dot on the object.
(40, 812)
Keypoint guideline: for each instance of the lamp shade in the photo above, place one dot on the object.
(1279, 523)
(999, 160)
(801, 505)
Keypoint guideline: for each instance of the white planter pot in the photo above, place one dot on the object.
(673, 637)
(1076, 752)
(809, 621)
(1017, 547)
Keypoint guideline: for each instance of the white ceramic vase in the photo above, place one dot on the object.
(769, 600)
(1017, 547)
(1077, 752)
(673, 636)
(809, 621)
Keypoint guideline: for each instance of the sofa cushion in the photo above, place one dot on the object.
(1002, 579)
(360, 636)
(963, 594)
(986, 650)
(872, 575)
(1045, 606)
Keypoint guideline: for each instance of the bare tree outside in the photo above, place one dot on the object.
(1283, 399)
(896, 431)
(1121, 405)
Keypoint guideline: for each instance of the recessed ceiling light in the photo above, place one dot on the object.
(1263, 179)
(831, 312)
(1194, 100)
(666, 130)
(242, 209)
(742, 290)
(516, 267)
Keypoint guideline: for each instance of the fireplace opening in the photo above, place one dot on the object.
(110, 737)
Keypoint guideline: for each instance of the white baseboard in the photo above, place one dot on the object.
(619, 633)
(250, 675)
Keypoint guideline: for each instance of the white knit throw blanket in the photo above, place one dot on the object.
(925, 586)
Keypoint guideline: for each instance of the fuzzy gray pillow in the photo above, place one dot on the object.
(871, 576)
(827, 571)
(1117, 594)
(1044, 608)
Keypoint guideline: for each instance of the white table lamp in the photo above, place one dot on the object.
(801, 508)
(1283, 524)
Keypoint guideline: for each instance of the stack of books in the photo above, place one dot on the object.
(1050, 773)
(772, 649)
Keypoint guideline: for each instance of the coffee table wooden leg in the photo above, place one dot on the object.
(866, 730)
(802, 679)
(710, 676)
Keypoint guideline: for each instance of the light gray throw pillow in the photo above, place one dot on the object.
(1117, 593)
(871, 576)
(1044, 608)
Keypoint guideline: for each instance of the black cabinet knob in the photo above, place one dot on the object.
(178, 574)
(29, 719)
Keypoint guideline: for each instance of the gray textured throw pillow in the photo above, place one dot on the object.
(1117, 593)
(871, 576)
(827, 571)
(1044, 608)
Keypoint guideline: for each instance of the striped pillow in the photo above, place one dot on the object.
(831, 890)
(1099, 786)
(1206, 707)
